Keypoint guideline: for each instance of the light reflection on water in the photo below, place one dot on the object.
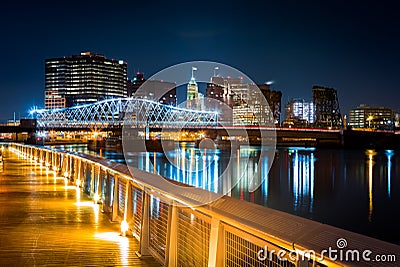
(356, 190)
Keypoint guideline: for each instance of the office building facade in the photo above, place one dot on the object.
(299, 113)
(327, 110)
(83, 79)
(365, 116)
(244, 100)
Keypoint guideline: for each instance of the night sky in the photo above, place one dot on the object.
(353, 47)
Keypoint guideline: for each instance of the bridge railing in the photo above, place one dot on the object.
(172, 228)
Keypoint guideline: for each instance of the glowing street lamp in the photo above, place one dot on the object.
(369, 119)
(124, 227)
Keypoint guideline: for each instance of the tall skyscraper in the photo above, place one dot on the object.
(83, 79)
(135, 83)
(299, 113)
(244, 100)
(327, 111)
(195, 100)
(192, 88)
(151, 89)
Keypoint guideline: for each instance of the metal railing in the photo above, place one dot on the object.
(172, 228)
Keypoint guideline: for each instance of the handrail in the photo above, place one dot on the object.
(175, 227)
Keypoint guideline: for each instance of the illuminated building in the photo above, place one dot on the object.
(244, 99)
(274, 101)
(83, 79)
(299, 113)
(195, 100)
(192, 91)
(135, 83)
(53, 99)
(366, 116)
(327, 110)
(152, 89)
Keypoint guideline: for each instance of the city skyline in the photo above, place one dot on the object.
(347, 46)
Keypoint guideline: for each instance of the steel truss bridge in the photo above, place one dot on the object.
(118, 112)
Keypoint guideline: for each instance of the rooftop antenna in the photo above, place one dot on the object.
(193, 69)
(215, 71)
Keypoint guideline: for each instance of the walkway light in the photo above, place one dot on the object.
(96, 198)
(124, 227)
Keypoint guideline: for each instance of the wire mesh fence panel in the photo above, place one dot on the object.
(121, 196)
(137, 210)
(193, 238)
(158, 226)
(241, 251)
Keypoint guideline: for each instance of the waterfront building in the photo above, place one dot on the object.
(134, 84)
(83, 79)
(194, 99)
(299, 113)
(152, 89)
(327, 110)
(365, 116)
(54, 99)
(244, 100)
(274, 101)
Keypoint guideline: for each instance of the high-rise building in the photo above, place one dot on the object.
(274, 101)
(194, 99)
(83, 79)
(327, 111)
(365, 116)
(135, 83)
(192, 89)
(151, 89)
(299, 113)
(53, 99)
(244, 100)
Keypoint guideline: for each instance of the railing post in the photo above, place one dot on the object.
(92, 177)
(71, 168)
(79, 170)
(100, 185)
(145, 226)
(98, 182)
(59, 163)
(128, 214)
(216, 252)
(172, 236)
(115, 206)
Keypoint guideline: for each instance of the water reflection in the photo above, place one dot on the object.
(353, 189)
(389, 154)
(371, 154)
(303, 179)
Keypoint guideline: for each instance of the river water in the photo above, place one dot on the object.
(357, 190)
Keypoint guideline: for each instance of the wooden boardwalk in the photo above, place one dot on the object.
(45, 223)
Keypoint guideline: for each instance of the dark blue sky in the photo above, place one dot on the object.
(353, 47)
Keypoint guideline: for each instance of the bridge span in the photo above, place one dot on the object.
(174, 226)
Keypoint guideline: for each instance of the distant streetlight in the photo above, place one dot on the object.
(369, 119)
